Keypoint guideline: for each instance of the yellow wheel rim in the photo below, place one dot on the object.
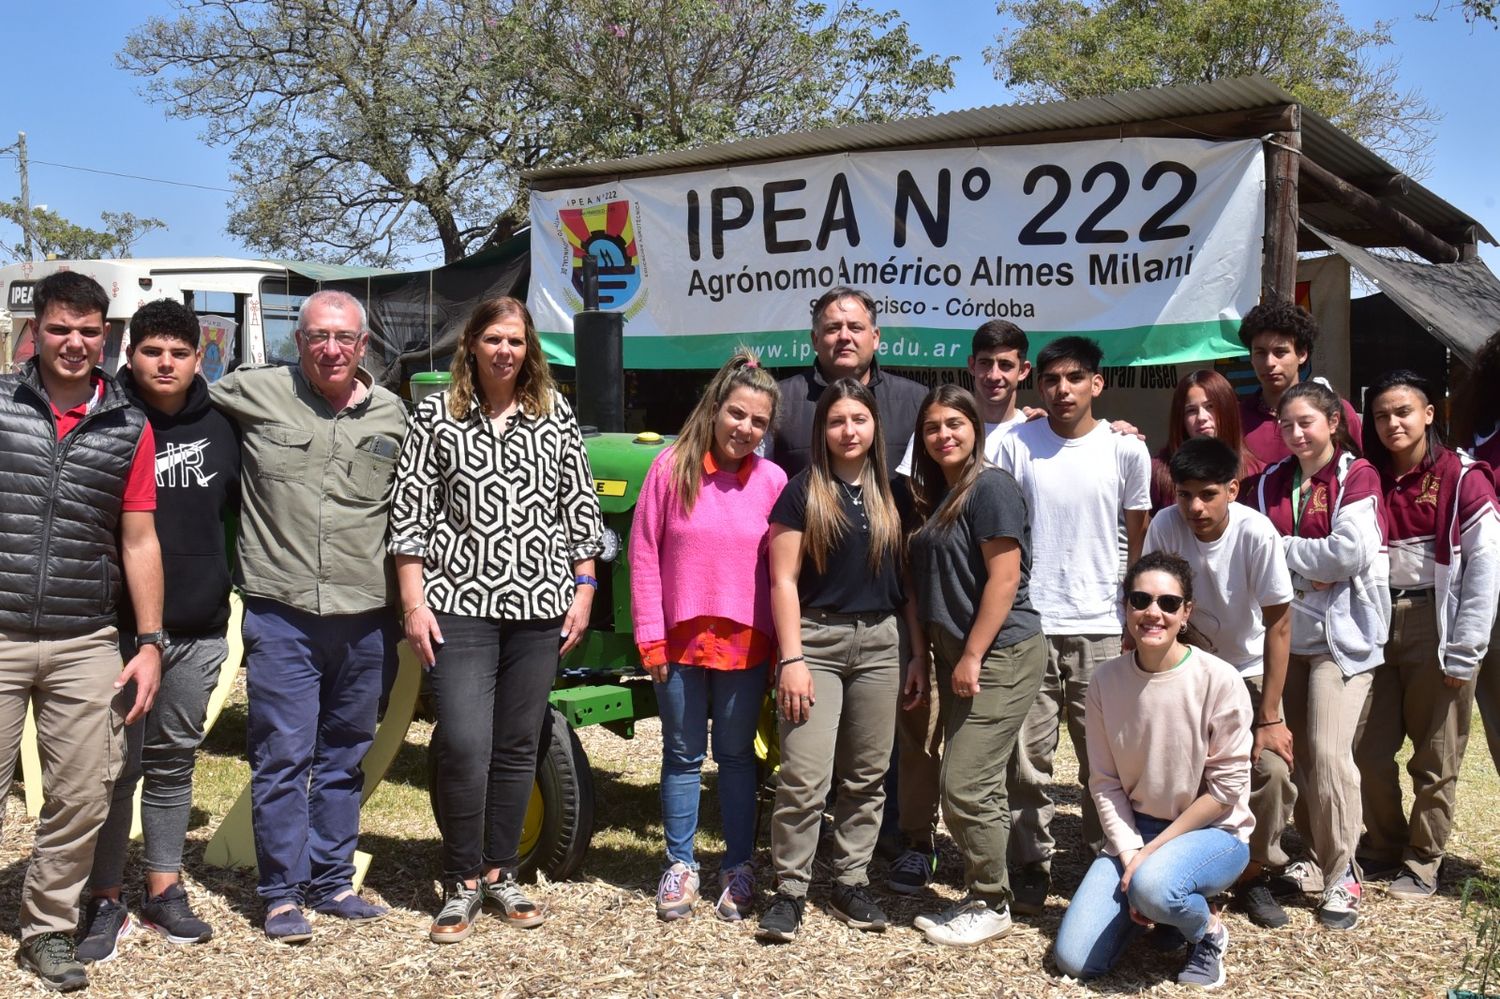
(531, 827)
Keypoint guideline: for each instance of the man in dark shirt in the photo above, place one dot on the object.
(845, 337)
(1280, 337)
(197, 465)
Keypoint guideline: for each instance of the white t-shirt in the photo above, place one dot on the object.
(1077, 489)
(993, 434)
(1233, 578)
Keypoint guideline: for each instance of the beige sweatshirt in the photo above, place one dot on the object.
(1156, 741)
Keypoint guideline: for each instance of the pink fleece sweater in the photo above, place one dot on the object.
(711, 562)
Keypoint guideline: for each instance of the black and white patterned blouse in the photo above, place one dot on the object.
(498, 516)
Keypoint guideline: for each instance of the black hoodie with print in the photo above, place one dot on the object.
(197, 490)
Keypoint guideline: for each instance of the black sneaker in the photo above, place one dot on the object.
(1164, 938)
(1259, 905)
(852, 904)
(170, 915)
(52, 957)
(106, 923)
(1412, 887)
(912, 871)
(1029, 890)
(781, 921)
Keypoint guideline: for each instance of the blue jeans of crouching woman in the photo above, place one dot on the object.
(732, 698)
(1172, 886)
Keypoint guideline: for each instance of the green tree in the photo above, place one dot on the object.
(1071, 49)
(54, 236)
(362, 128)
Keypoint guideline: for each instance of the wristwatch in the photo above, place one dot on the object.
(156, 638)
(582, 580)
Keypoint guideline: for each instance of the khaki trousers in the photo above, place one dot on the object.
(981, 734)
(80, 723)
(919, 761)
(1070, 666)
(856, 673)
(1408, 700)
(1272, 795)
(1322, 708)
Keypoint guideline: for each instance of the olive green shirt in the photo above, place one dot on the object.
(316, 490)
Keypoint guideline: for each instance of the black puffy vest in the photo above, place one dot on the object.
(60, 509)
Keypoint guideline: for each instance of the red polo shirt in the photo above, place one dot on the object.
(140, 484)
(1263, 434)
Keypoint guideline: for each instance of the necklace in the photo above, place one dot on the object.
(855, 495)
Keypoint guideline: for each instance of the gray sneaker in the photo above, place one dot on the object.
(1412, 887)
(455, 920)
(53, 959)
(508, 897)
(105, 924)
(1205, 964)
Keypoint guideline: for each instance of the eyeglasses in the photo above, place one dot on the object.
(344, 338)
(1170, 603)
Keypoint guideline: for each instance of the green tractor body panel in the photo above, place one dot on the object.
(620, 463)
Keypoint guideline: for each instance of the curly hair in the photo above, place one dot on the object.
(1283, 317)
(1476, 408)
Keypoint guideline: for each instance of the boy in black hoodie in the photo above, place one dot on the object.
(197, 487)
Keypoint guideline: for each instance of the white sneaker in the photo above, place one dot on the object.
(1300, 876)
(972, 923)
(926, 922)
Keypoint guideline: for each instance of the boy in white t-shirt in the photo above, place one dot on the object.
(1081, 480)
(1242, 593)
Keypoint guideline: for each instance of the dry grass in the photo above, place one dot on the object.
(603, 939)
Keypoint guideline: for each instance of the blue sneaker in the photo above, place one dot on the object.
(289, 926)
(1205, 964)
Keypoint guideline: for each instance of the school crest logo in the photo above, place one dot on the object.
(606, 232)
(1429, 493)
(1318, 501)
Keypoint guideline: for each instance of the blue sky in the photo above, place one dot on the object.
(77, 108)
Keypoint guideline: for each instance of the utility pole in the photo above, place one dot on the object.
(25, 192)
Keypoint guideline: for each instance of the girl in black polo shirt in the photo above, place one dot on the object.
(835, 590)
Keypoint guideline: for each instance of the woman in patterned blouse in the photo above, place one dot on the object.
(494, 525)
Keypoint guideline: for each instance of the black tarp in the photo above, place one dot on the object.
(1458, 303)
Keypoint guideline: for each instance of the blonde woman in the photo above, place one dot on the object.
(494, 526)
(701, 604)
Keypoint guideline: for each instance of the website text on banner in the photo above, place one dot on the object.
(1152, 245)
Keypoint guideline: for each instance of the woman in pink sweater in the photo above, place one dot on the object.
(701, 606)
(1168, 731)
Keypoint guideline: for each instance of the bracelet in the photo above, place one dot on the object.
(410, 611)
(1266, 724)
(581, 580)
(788, 662)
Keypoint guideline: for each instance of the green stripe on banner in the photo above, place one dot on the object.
(917, 346)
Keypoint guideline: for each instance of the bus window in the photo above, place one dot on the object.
(279, 306)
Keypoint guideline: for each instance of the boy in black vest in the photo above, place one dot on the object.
(197, 486)
(77, 498)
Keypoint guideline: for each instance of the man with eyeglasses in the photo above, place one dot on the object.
(320, 442)
(77, 519)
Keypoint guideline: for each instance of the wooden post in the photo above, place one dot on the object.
(1411, 234)
(1278, 278)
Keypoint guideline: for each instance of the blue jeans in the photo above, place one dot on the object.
(1171, 887)
(314, 684)
(690, 695)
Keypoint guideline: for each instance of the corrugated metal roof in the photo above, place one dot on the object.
(1321, 142)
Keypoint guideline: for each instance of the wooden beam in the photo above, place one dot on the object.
(1278, 277)
(1247, 124)
(1413, 236)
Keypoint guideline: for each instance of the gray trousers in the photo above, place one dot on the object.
(981, 733)
(1409, 700)
(161, 750)
(1070, 667)
(856, 673)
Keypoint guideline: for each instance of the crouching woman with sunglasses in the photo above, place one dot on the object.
(1169, 738)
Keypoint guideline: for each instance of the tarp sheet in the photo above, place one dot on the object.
(1457, 303)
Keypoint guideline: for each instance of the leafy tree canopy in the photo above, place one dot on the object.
(54, 236)
(1073, 49)
(361, 128)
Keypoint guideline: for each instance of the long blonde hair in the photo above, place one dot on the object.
(535, 389)
(825, 517)
(743, 370)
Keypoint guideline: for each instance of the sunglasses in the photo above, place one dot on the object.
(1170, 603)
